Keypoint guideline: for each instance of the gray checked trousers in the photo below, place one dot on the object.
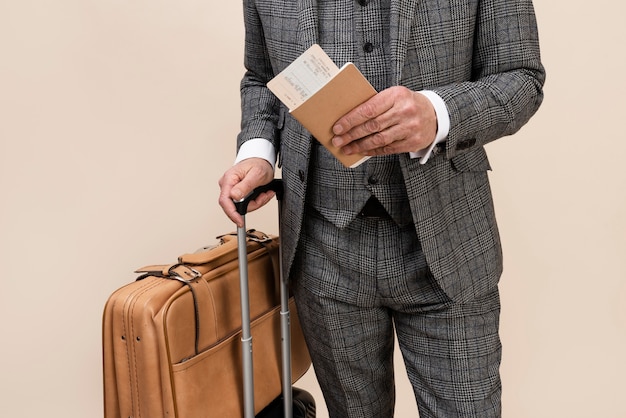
(354, 287)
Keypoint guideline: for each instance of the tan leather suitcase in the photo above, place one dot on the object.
(172, 339)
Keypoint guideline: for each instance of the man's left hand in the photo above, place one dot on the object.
(394, 121)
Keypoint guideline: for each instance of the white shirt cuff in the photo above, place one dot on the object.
(443, 125)
(257, 148)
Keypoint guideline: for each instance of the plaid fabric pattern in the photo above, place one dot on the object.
(350, 298)
(481, 56)
(436, 279)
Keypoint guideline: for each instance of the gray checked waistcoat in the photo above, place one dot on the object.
(365, 42)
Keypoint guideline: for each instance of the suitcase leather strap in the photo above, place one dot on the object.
(190, 268)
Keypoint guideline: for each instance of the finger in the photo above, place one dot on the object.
(226, 202)
(400, 141)
(255, 176)
(233, 215)
(229, 209)
(367, 129)
(372, 144)
(360, 115)
(393, 140)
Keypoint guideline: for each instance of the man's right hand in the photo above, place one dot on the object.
(239, 181)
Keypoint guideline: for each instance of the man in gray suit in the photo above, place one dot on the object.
(406, 242)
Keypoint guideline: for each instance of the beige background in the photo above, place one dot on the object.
(117, 118)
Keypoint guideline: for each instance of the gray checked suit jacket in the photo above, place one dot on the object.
(481, 56)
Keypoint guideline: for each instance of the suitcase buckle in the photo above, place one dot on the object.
(183, 273)
(258, 236)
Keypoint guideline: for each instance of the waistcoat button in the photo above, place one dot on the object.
(368, 47)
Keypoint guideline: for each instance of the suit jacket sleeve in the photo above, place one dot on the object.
(506, 84)
(260, 109)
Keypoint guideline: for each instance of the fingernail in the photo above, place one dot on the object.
(337, 141)
(338, 129)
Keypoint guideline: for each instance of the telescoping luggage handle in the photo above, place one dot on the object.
(276, 186)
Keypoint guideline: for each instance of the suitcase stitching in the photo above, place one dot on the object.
(131, 353)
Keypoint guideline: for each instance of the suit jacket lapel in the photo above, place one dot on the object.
(401, 19)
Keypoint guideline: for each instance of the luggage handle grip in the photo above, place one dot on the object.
(275, 185)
